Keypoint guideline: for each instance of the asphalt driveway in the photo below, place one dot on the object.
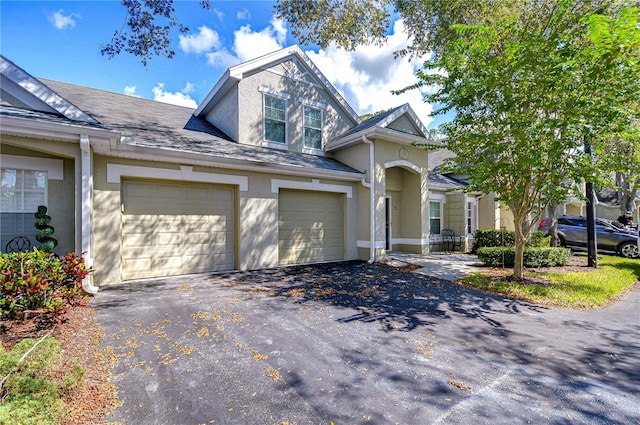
(352, 343)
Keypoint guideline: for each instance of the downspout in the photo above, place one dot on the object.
(85, 212)
(372, 207)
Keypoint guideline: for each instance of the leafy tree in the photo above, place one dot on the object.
(146, 31)
(530, 82)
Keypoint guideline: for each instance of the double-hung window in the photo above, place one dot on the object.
(312, 128)
(435, 219)
(21, 193)
(275, 124)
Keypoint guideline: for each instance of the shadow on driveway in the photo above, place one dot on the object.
(357, 343)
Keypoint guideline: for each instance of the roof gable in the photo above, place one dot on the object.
(400, 123)
(21, 90)
(291, 62)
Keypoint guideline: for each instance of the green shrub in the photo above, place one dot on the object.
(28, 397)
(539, 240)
(533, 257)
(493, 238)
(498, 238)
(39, 282)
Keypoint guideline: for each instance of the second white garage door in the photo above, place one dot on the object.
(310, 227)
(173, 229)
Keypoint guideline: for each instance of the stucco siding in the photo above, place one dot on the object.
(250, 111)
(224, 114)
(60, 193)
(257, 215)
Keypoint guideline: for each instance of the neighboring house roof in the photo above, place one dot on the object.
(303, 67)
(439, 181)
(382, 125)
(163, 129)
(437, 157)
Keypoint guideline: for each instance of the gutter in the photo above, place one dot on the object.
(85, 213)
(371, 186)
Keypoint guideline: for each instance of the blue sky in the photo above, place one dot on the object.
(61, 40)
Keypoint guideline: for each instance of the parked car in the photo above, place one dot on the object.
(572, 233)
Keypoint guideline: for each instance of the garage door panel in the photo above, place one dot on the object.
(172, 229)
(310, 226)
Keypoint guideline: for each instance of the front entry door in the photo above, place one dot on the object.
(387, 222)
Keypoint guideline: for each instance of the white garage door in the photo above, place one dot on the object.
(172, 229)
(310, 227)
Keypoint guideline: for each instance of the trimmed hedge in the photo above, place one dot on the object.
(533, 257)
(500, 238)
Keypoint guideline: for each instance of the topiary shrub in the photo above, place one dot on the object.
(44, 230)
(38, 282)
(533, 257)
(539, 240)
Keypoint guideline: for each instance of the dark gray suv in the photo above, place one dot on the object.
(572, 232)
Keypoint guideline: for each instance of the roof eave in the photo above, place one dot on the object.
(209, 160)
(28, 127)
(376, 133)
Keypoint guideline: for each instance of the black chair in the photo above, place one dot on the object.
(17, 244)
(450, 241)
(435, 241)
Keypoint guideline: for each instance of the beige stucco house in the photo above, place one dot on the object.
(273, 168)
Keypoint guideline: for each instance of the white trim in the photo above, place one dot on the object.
(271, 92)
(437, 197)
(315, 185)
(275, 145)
(313, 104)
(312, 151)
(115, 172)
(53, 167)
(410, 241)
(403, 163)
(367, 244)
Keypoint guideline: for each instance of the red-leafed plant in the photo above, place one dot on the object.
(37, 282)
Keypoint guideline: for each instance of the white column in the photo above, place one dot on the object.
(86, 188)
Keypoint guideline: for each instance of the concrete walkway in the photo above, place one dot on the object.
(449, 267)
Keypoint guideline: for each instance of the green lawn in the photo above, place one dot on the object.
(578, 290)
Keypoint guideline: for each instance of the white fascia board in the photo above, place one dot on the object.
(40, 91)
(220, 89)
(313, 185)
(181, 157)
(373, 134)
(27, 127)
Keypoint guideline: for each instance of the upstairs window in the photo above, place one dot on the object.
(312, 128)
(275, 124)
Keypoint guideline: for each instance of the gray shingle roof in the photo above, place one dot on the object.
(151, 124)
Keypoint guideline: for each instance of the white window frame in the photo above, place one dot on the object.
(282, 96)
(471, 216)
(305, 125)
(441, 208)
(314, 105)
(22, 190)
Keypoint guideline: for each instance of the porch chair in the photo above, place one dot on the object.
(17, 244)
(435, 241)
(450, 241)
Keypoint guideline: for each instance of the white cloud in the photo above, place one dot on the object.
(249, 44)
(62, 21)
(131, 91)
(188, 88)
(205, 40)
(366, 76)
(177, 98)
(219, 14)
(244, 14)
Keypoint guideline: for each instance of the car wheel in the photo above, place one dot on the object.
(561, 242)
(629, 250)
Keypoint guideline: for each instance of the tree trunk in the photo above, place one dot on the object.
(553, 224)
(518, 262)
